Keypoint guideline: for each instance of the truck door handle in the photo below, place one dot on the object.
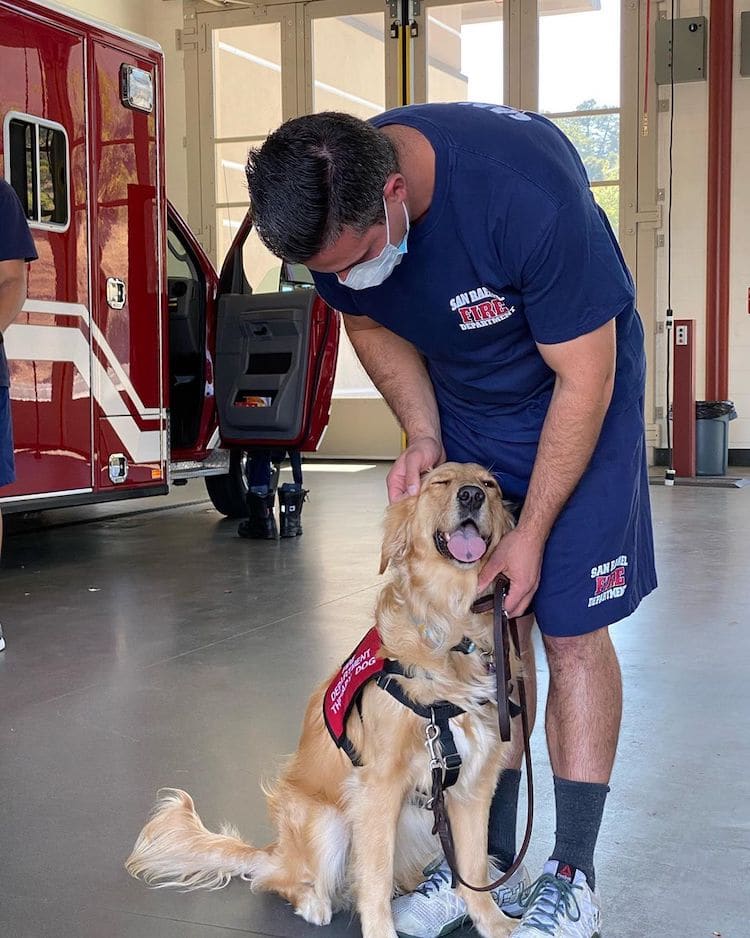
(115, 293)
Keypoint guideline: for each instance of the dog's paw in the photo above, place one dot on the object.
(314, 910)
(488, 920)
(381, 931)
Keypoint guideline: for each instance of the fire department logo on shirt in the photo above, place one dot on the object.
(479, 308)
(609, 579)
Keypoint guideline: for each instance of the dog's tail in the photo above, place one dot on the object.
(176, 849)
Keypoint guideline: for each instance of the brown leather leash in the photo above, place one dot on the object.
(504, 630)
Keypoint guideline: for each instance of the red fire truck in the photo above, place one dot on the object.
(133, 364)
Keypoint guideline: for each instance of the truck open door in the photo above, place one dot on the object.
(274, 365)
(191, 303)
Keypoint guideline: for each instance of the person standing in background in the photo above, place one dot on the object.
(16, 250)
(262, 473)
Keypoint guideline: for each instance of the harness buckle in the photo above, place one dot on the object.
(452, 761)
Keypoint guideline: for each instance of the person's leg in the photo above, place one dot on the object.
(291, 499)
(503, 812)
(258, 471)
(584, 707)
(598, 566)
(261, 493)
(7, 468)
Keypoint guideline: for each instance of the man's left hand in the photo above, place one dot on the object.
(519, 557)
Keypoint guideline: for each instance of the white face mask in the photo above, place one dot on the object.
(373, 272)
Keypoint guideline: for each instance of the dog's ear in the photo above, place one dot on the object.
(512, 511)
(397, 531)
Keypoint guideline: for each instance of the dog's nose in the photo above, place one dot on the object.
(470, 497)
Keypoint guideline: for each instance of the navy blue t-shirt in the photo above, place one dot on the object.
(16, 243)
(512, 251)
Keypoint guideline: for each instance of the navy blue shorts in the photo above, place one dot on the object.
(7, 468)
(599, 559)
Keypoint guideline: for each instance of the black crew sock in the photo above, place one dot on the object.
(579, 807)
(501, 836)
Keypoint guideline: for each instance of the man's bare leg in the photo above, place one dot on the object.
(584, 706)
(584, 709)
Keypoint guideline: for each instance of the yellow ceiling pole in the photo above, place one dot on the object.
(405, 87)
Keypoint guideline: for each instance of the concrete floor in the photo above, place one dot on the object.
(156, 648)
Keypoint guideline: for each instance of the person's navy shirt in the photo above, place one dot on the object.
(16, 243)
(512, 251)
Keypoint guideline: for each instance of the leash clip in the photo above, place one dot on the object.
(432, 734)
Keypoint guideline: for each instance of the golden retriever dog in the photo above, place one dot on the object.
(356, 835)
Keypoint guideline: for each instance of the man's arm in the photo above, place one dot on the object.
(398, 371)
(12, 291)
(585, 373)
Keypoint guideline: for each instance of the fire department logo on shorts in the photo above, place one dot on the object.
(479, 308)
(609, 580)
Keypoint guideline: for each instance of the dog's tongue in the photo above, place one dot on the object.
(465, 544)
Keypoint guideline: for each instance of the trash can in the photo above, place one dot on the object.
(712, 436)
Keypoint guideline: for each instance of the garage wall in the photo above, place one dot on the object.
(689, 227)
(128, 14)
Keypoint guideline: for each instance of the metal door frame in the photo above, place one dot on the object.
(295, 18)
(323, 9)
(201, 20)
(520, 50)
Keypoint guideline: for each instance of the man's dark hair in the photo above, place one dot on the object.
(313, 176)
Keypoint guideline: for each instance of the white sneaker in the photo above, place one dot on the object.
(2, 640)
(561, 904)
(434, 909)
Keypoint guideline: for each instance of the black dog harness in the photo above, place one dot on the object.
(365, 665)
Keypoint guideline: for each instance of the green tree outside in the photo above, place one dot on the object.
(597, 139)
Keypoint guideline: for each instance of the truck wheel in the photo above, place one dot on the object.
(227, 492)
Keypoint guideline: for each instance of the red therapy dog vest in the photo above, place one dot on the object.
(345, 689)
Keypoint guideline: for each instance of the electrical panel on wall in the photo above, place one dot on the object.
(688, 58)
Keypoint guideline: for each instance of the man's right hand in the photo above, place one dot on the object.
(398, 371)
(421, 455)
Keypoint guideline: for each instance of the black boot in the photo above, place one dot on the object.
(261, 523)
(291, 499)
